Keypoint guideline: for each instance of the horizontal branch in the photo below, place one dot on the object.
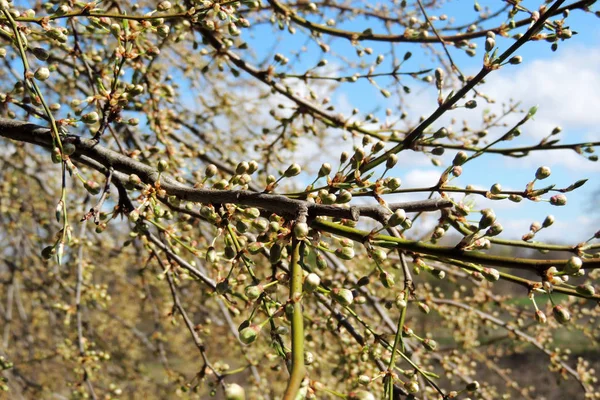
(448, 252)
(31, 133)
(402, 38)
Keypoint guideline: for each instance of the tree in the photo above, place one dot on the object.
(168, 229)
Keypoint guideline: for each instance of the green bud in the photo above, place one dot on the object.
(345, 253)
(398, 217)
(573, 265)
(394, 183)
(386, 279)
(253, 292)
(342, 296)
(249, 334)
(42, 73)
(344, 197)
(292, 170)
(210, 171)
(460, 158)
(391, 161)
(542, 173)
(90, 118)
(473, 386)
(325, 169)
(561, 314)
(586, 290)
(429, 344)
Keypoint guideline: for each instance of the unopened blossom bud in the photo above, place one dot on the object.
(496, 188)
(342, 296)
(429, 344)
(494, 230)
(40, 53)
(162, 166)
(391, 161)
(411, 386)
(586, 290)
(361, 395)
(424, 308)
(490, 43)
(90, 118)
(345, 253)
(164, 6)
(516, 60)
(311, 282)
(386, 279)
(488, 217)
(491, 274)
(558, 200)
(301, 230)
(471, 104)
(540, 317)
(394, 183)
(397, 217)
(473, 386)
(249, 334)
(325, 169)
(42, 73)
(92, 187)
(561, 314)
(292, 170)
(548, 221)
(253, 292)
(542, 173)
(210, 171)
(515, 198)
(233, 391)
(364, 380)
(573, 265)
(379, 255)
(460, 158)
(344, 197)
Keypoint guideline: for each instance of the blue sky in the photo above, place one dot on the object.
(564, 84)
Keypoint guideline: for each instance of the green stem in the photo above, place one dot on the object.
(298, 370)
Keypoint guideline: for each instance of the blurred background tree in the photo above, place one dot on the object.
(205, 198)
